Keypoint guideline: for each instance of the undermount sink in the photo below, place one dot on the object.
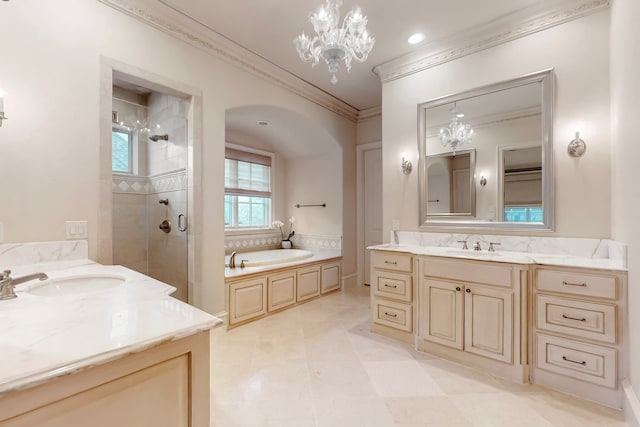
(76, 285)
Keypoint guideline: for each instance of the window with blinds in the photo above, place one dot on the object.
(247, 189)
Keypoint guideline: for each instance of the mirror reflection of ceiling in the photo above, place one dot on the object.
(267, 29)
(525, 99)
(523, 158)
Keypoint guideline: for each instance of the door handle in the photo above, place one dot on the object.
(182, 222)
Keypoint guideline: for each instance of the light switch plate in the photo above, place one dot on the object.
(76, 229)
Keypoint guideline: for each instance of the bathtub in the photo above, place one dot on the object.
(271, 257)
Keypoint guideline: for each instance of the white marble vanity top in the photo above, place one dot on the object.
(513, 257)
(43, 337)
(557, 251)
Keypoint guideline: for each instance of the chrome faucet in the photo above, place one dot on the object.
(7, 283)
(476, 246)
(232, 260)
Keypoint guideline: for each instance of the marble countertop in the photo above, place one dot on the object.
(318, 255)
(44, 337)
(561, 260)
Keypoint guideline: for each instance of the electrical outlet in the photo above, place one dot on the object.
(395, 224)
(76, 229)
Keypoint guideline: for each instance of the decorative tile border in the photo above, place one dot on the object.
(271, 240)
(171, 181)
(252, 242)
(131, 184)
(312, 242)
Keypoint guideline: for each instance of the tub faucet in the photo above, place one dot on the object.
(232, 260)
(7, 283)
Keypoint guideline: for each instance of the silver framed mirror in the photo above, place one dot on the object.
(506, 129)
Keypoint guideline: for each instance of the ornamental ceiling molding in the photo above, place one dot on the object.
(484, 37)
(180, 26)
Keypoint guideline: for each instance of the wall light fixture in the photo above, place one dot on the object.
(577, 147)
(406, 166)
(2, 116)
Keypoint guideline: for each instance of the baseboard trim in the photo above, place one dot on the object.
(630, 405)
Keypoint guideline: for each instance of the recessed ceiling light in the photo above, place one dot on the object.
(263, 122)
(416, 38)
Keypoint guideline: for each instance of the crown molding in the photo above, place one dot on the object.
(187, 29)
(369, 113)
(520, 24)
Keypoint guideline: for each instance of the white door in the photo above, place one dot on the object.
(372, 203)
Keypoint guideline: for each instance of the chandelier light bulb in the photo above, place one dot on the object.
(335, 44)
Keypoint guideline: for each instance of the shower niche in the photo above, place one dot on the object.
(149, 183)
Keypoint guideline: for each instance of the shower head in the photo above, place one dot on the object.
(155, 138)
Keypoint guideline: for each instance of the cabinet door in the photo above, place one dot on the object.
(442, 305)
(488, 322)
(308, 283)
(282, 290)
(247, 300)
(330, 277)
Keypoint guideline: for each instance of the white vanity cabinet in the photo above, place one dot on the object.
(577, 331)
(392, 294)
(474, 312)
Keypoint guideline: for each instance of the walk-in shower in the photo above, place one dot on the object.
(149, 188)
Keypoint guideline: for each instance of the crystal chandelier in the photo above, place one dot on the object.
(457, 133)
(334, 44)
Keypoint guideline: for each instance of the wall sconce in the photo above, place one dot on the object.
(483, 181)
(577, 147)
(406, 166)
(2, 116)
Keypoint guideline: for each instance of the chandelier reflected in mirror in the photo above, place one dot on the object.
(335, 44)
(457, 134)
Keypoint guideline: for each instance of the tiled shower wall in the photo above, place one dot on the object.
(138, 242)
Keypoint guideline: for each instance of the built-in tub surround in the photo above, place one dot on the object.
(278, 279)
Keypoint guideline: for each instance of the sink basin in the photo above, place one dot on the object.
(76, 285)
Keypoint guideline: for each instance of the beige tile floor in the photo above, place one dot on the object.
(317, 365)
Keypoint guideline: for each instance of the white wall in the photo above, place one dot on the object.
(315, 180)
(625, 110)
(50, 146)
(578, 51)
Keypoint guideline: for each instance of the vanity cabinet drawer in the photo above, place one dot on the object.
(582, 361)
(578, 318)
(392, 285)
(391, 261)
(490, 273)
(393, 314)
(584, 284)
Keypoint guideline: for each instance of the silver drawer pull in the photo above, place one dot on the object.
(390, 315)
(564, 316)
(566, 359)
(584, 285)
(391, 262)
(386, 285)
